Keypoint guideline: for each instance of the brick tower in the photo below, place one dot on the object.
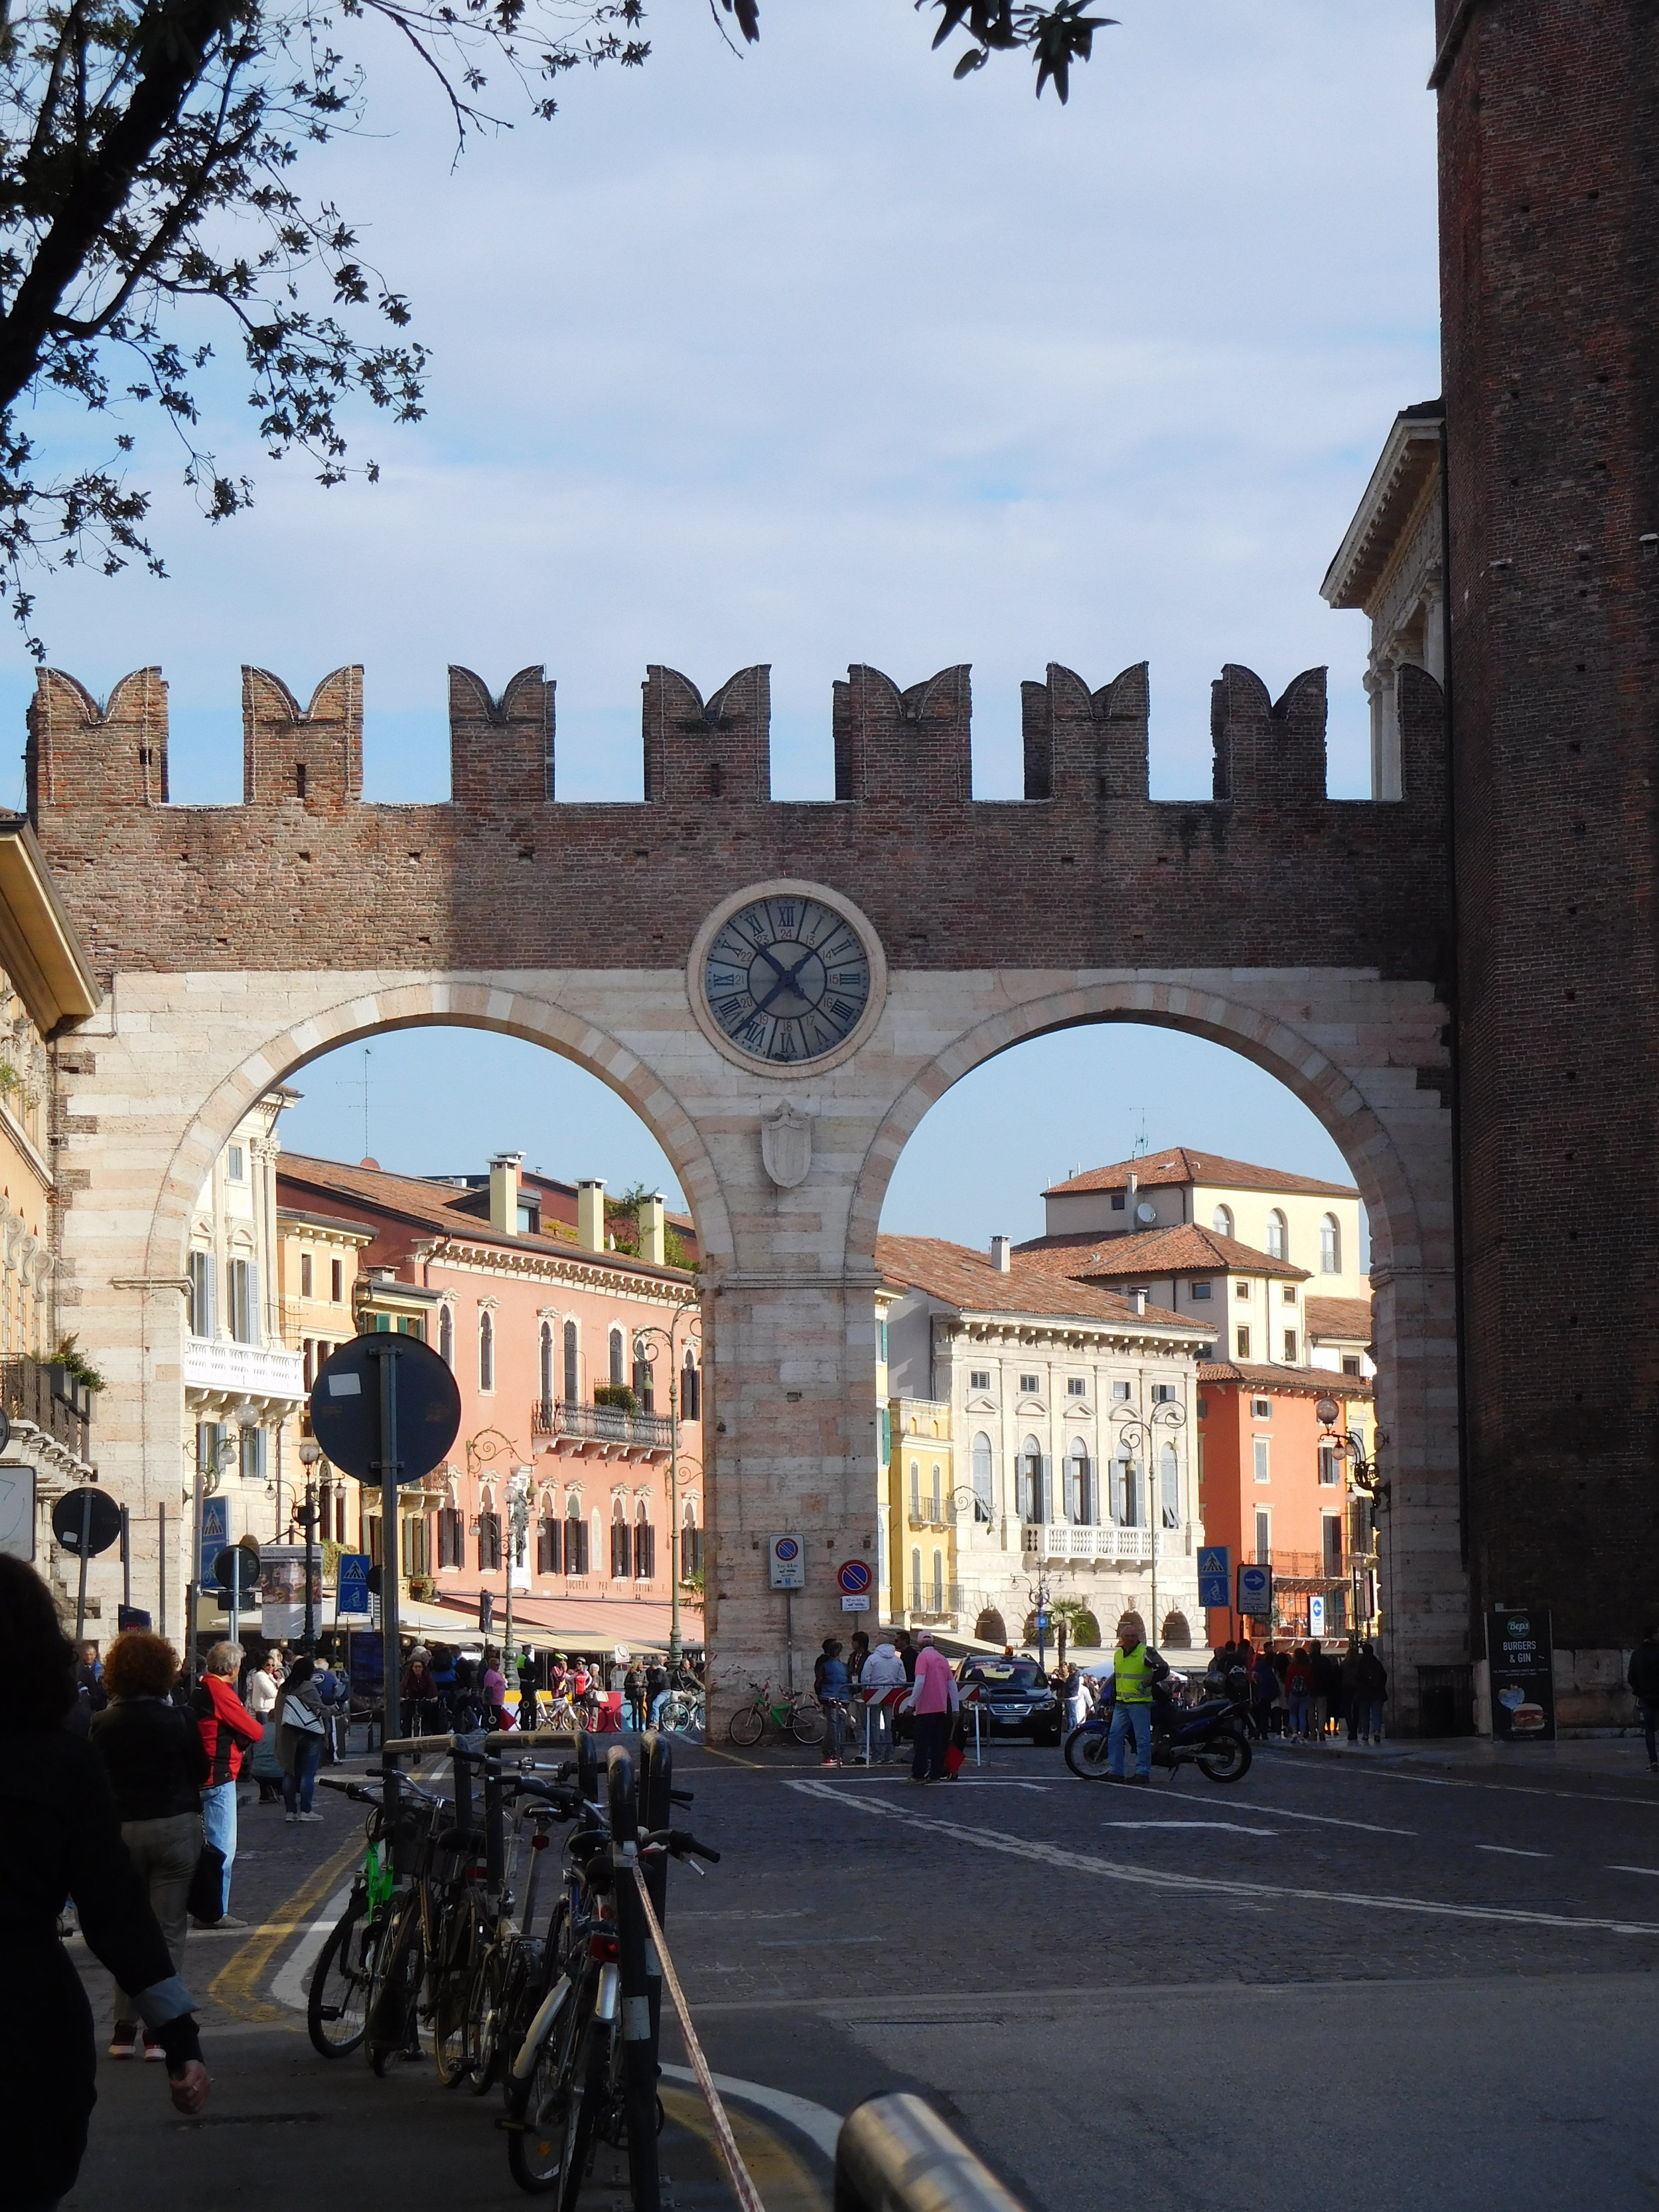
(1549, 182)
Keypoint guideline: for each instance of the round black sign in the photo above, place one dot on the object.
(237, 1568)
(345, 1406)
(93, 1512)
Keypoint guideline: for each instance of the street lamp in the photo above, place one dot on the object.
(310, 1452)
(1139, 1432)
(1364, 1472)
(653, 1340)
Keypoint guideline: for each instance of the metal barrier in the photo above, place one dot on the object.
(894, 2155)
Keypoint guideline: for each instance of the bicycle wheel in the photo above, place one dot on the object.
(747, 1725)
(336, 2005)
(451, 2009)
(486, 2018)
(807, 1724)
(396, 1987)
(549, 2145)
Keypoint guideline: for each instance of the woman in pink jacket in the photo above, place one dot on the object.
(935, 1702)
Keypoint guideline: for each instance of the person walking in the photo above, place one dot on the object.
(1264, 1688)
(832, 1688)
(153, 1755)
(418, 1692)
(260, 1698)
(335, 1696)
(906, 1645)
(493, 1684)
(1322, 1689)
(60, 1835)
(1373, 1685)
(656, 1690)
(229, 1733)
(1348, 1688)
(1643, 1676)
(1135, 1670)
(935, 1700)
(880, 1686)
(1298, 1691)
(300, 1732)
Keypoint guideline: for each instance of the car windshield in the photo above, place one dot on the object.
(1006, 1677)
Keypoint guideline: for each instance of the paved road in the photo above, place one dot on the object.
(1344, 1980)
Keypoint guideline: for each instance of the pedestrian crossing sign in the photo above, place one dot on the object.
(1215, 1575)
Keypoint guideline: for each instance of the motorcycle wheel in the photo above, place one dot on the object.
(1086, 1753)
(1225, 1757)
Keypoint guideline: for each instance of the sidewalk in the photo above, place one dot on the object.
(1623, 1759)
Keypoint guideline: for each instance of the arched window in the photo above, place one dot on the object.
(691, 1543)
(446, 1335)
(1278, 1237)
(489, 1543)
(486, 1350)
(1170, 1486)
(1330, 1246)
(547, 1363)
(1079, 1483)
(575, 1538)
(644, 1388)
(915, 1578)
(937, 1593)
(691, 1391)
(618, 1353)
(1177, 1636)
(991, 1627)
(1032, 1503)
(573, 1381)
(1221, 1221)
(982, 1479)
(1130, 1620)
(622, 1543)
(645, 1545)
(935, 1497)
(1126, 1490)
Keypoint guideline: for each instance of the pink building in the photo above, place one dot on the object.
(563, 1342)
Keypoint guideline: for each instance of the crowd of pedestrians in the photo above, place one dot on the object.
(1305, 1695)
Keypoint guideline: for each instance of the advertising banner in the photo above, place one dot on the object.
(1523, 1659)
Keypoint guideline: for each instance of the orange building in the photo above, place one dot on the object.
(1274, 1486)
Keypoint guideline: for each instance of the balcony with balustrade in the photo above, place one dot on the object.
(1306, 1570)
(577, 1432)
(1083, 1539)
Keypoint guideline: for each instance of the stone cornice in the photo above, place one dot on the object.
(593, 1270)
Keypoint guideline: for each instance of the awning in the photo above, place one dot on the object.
(590, 1625)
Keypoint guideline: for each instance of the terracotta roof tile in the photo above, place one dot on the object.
(1181, 1165)
(1345, 1321)
(1184, 1249)
(1319, 1382)
(959, 1276)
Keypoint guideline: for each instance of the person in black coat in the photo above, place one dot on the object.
(60, 1836)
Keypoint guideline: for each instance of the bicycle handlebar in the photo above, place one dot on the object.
(679, 1843)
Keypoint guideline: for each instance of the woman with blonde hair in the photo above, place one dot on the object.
(152, 1751)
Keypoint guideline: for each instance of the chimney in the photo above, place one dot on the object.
(653, 1229)
(1137, 1300)
(590, 1214)
(504, 1193)
(1001, 1255)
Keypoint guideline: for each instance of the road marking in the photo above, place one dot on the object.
(1233, 1828)
(235, 1985)
(1157, 1878)
(1627, 1869)
(1327, 1821)
(814, 1943)
(817, 2123)
(1509, 1851)
(798, 1913)
(289, 1986)
(1452, 1782)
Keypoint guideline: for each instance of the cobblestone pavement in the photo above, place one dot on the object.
(1345, 1979)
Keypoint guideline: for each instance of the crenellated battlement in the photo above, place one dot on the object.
(1085, 871)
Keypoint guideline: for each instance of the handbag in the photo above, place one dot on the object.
(206, 1900)
(296, 1716)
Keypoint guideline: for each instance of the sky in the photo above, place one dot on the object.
(811, 356)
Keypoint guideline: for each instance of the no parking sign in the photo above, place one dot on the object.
(787, 1564)
(855, 1578)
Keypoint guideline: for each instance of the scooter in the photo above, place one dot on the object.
(1207, 1735)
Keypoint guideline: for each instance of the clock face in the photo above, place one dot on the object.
(787, 978)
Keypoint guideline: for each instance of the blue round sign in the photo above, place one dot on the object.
(787, 1549)
(854, 1576)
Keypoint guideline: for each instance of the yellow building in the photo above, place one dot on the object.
(45, 986)
(318, 1263)
(919, 1583)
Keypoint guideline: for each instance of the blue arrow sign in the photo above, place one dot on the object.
(1255, 1591)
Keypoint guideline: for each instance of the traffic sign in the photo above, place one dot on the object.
(16, 1511)
(1255, 1592)
(785, 1564)
(860, 1604)
(854, 1577)
(351, 1583)
(1316, 1614)
(236, 1569)
(214, 1534)
(346, 1406)
(86, 1521)
(1215, 1577)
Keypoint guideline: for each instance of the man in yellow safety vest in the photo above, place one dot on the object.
(1135, 1670)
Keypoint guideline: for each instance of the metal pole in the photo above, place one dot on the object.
(85, 1545)
(126, 1561)
(639, 2057)
(675, 1648)
(386, 1353)
(193, 1586)
(161, 1573)
(308, 1640)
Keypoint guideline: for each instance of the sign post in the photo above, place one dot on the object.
(786, 1571)
(1520, 1650)
(854, 1577)
(85, 1521)
(1255, 1592)
(386, 1408)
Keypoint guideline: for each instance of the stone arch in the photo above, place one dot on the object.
(991, 1627)
(1324, 1087)
(510, 1012)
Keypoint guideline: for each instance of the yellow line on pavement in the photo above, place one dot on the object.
(715, 1752)
(785, 2183)
(236, 1984)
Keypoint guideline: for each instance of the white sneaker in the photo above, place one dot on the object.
(293, 1819)
(308, 1817)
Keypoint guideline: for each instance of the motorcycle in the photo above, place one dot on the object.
(1209, 1736)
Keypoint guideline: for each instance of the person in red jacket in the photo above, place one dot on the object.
(229, 1733)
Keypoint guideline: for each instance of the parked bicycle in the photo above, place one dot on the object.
(792, 1712)
(337, 2004)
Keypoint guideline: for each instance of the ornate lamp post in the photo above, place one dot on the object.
(1139, 1432)
(684, 1330)
(310, 1452)
(1365, 1474)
